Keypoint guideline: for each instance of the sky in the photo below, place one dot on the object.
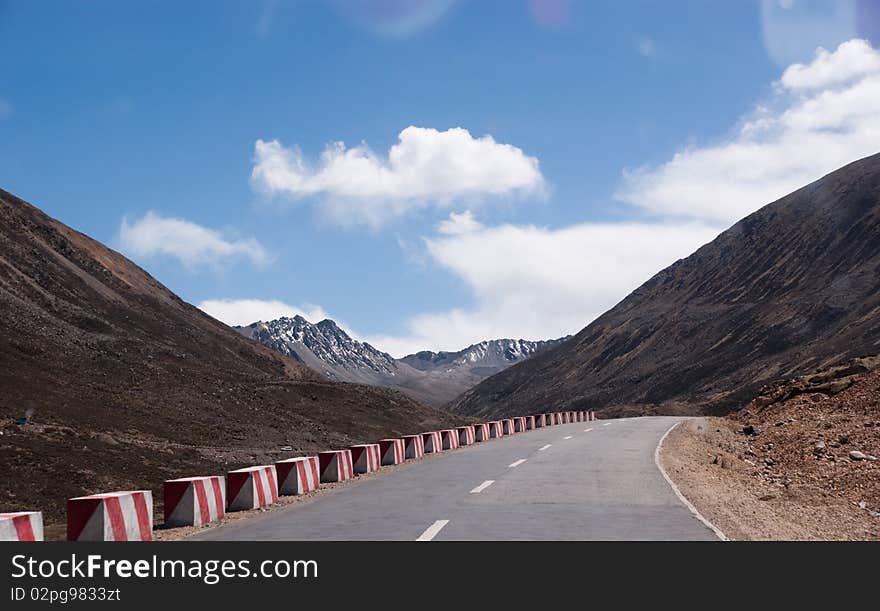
(429, 173)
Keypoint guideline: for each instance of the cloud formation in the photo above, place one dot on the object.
(191, 244)
(245, 311)
(425, 168)
(536, 283)
(821, 116)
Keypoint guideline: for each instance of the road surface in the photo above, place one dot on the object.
(581, 481)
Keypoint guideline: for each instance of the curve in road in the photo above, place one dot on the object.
(580, 481)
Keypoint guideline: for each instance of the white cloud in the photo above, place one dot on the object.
(536, 283)
(245, 311)
(817, 121)
(188, 242)
(459, 223)
(853, 59)
(425, 168)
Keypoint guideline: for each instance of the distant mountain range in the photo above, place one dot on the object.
(790, 289)
(433, 377)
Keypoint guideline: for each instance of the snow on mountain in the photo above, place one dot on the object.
(433, 377)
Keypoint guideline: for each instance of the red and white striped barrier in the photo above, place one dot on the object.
(530, 423)
(496, 430)
(21, 526)
(482, 431)
(251, 488)
(297, 475)
(519, 424)
(393, 451)
(540, 421)
(113, 516)
(466, 435)
(592, 416)
(449, 438)
(415, 446)
(433, 441)
(366, 457)
(508, 426)
(194, 501)
(335, 465)
(582, 417)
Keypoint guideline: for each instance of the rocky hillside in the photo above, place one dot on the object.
(433, 377)
(792, 288)
(110, 381)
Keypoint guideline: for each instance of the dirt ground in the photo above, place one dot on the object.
(802, 467)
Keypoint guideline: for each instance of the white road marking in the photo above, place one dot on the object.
(568, 437)
(588, 430)
(681, 497)
(517, 463)
(432, 530)
(545, 447)
(483, 486)
(607, 424)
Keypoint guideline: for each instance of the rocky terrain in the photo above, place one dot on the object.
(799, 462)
(432, 377)
(109, 381)
(790, 289)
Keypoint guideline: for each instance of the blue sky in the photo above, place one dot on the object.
(604, 140)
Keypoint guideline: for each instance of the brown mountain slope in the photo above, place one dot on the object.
(789, 289)
(129, 385)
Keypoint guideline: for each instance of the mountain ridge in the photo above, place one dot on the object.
(432, 377)
(789, 288)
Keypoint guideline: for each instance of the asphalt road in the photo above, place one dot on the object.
(557, 483)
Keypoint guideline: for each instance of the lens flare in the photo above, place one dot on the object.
(393, 18)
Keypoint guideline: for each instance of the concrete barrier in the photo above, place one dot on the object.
(508, 426)
(466, 435)
(113, 516)
(335, 466)
(298, 475)
(449, 438)
(540, 420)
(194, 501)
(519, 424)
(251, 488)
(482, 432)
(393, 451)
(366, 457)
(415, 446)
(433, 442)
(592, 415)
(21, 526)
(496, 429)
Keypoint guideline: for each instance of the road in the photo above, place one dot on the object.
(581, 481)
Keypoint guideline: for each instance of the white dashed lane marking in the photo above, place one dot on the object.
(517, 463)
(483, 486)
(432, 530)
(545, 447)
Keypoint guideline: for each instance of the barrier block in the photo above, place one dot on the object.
(366, 457)
(449, 438)
(415, 446)
(21, 526)
(482, 431)
(508, 426)
(433, 442)
(251, 488)
(393, 451)
(112, 516)
(466, 435)
(519, 424)
(335, 466)
(194, 501)
(496, 430)
(298, 475)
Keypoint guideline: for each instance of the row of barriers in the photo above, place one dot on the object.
(198, 501)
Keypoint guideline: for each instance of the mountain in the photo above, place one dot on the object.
(792, 288)
(433, 377)
(126, 385)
